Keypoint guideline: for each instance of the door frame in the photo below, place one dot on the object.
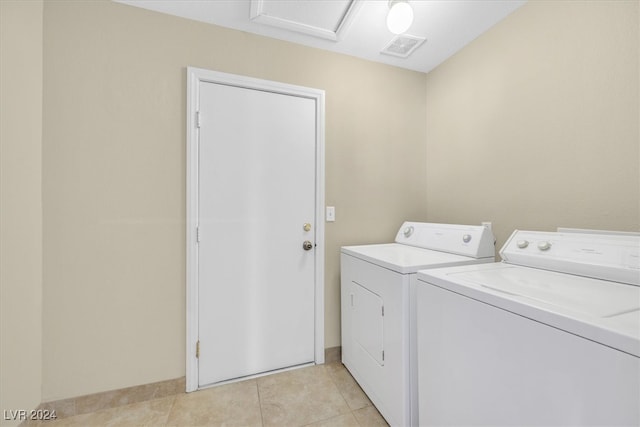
(194, 77)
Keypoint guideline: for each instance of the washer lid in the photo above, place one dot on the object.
(602, 311)
(591, 297)
(406, 259)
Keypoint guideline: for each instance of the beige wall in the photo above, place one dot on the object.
(114, 178)
(535, 124)
(20, 206)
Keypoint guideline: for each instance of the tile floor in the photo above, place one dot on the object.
(323, 395)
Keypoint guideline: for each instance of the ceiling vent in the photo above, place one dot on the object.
(403, 45)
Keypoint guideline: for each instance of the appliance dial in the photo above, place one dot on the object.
(466, 238)
(544, 246)
(408, 231)
(522, 244)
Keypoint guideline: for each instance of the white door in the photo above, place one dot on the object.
(257, 195)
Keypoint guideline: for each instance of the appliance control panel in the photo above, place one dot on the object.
(605, 256)
(475, 241)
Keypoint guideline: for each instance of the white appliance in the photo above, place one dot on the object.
(549, 336)
(378, 306)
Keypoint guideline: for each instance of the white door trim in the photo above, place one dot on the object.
(194, 77)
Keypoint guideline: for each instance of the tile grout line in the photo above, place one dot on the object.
(173, 404)
(333, 380)
(260, 403)
(335, 383)
(333, 376)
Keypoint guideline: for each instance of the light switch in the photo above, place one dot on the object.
(331, 213)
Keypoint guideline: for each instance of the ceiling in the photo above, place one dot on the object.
(352, 27)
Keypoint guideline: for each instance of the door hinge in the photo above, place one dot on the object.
(383, 355)
(198, 119)
(198, 349)
(197, 234)
(383, 311)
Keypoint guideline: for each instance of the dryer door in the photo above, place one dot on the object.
(368, 321)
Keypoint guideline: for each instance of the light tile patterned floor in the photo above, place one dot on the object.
(323, 395)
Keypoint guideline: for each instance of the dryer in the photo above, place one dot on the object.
(549, 336)
(378, 307)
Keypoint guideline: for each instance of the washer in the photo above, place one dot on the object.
(549, 336)
(378, 306)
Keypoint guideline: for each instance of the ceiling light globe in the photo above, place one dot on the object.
(400, 17)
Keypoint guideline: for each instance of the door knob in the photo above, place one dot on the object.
(307, 245)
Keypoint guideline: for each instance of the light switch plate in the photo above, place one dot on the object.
(331, 213)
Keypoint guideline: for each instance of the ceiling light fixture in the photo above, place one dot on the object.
(400, 16)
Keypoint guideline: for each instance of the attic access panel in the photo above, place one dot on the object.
(327, 20)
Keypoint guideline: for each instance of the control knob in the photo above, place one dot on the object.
(408, 231)
(522, 244)
(544, 245)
